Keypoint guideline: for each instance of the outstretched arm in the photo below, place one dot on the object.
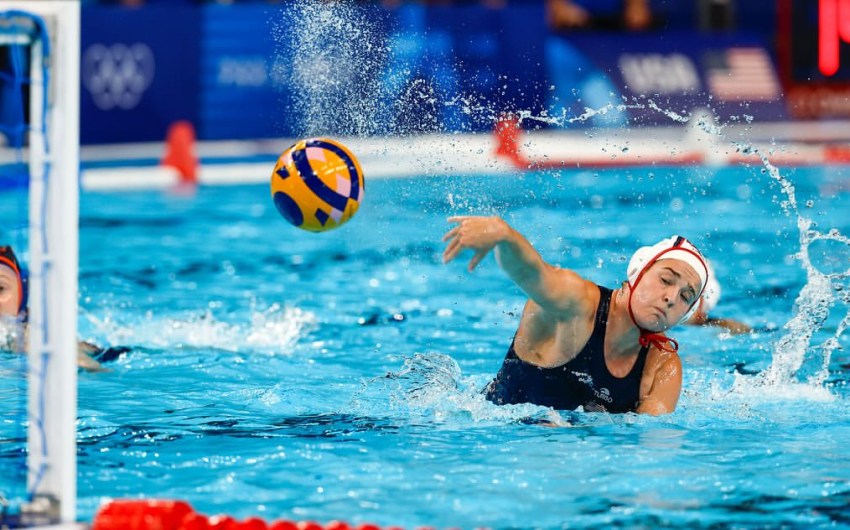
(555, 290)
(85, 350)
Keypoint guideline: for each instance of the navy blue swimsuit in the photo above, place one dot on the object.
(584, 381)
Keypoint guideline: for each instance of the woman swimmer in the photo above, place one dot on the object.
(582, 345)
(13, 303)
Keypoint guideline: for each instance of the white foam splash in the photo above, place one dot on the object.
(753, 390)
(709, 395)
(12, 334)
(431, 386)
(275, 330)
(588, 113)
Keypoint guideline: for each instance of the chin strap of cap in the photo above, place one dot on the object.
(657, 339)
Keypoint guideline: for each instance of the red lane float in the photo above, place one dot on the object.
(178, 515)
(512, 143)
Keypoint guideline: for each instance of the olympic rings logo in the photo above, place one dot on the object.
(117, 76)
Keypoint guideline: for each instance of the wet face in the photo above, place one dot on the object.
(9, 292)
(664, 294)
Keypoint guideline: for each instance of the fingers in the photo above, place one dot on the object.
(456, 245)
(458, 218)
(452, 250)
(476, 259)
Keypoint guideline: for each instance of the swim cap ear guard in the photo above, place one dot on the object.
(711, 293)
(674, 247)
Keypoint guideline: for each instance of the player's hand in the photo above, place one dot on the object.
(479, 234)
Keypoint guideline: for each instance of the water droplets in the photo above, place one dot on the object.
(336, 83)
(815, 301)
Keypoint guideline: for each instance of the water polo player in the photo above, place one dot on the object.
(13, 303)
(580, 344)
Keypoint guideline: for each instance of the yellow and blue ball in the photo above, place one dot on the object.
(317, 184)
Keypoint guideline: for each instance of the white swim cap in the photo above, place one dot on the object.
(674, 247)
(712, 291)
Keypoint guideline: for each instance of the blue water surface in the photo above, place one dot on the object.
(286, 374)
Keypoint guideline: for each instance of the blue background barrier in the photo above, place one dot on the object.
(241, 96)
(139, 71)
(734, 75)
(233, 71)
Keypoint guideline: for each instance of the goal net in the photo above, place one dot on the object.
(39, 161)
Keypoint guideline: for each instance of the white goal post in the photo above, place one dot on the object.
(53, 158)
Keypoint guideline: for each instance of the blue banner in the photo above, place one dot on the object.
(309, 69)
(139, 71)
(337, 68)
(732, 75)
(243, 93)
(498, 56)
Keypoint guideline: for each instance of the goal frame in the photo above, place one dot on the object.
(53, 158)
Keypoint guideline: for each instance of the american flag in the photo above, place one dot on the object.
(741, 74)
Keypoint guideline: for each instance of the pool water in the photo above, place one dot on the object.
(285, 374)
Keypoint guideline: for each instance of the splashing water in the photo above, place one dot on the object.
(430, 386)
(335, 66)
(11, 334)
(812, 306)
(351, 75)
(819, 294)
(275, 330)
